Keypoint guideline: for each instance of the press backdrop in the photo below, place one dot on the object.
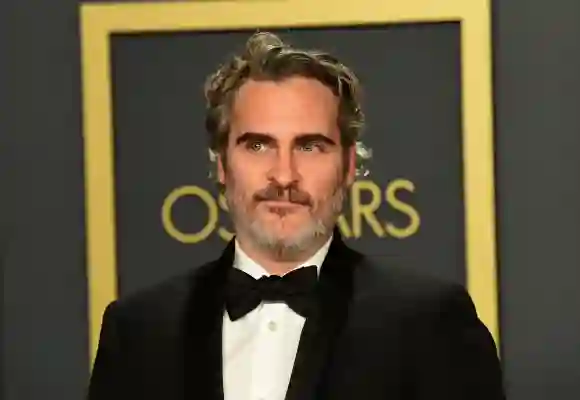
(168, 217)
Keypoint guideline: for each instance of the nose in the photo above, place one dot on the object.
(283, 170)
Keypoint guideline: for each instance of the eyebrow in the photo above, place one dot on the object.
(254, 136)
(300, 139)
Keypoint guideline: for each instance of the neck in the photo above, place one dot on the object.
(271, 261)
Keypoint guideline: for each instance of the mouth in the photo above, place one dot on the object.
(282, 208)
(282, 204)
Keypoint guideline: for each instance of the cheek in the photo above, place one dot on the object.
(324, 186)
(241, 183)
(246, 169)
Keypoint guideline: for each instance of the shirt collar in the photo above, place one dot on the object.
(244, 263)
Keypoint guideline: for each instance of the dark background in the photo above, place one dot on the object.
(537, 93)
(413, 124)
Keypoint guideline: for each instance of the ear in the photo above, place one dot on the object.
(351, 167)
(221, 172)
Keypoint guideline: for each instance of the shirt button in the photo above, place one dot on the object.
(272, 326)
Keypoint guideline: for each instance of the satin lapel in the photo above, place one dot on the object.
(325, 323)
(203, 347)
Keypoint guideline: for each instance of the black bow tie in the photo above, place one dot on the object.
(296, 289)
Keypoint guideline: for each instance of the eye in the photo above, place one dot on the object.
(311, 146)
(256, 146)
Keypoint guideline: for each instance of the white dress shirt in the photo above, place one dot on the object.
(259, 349)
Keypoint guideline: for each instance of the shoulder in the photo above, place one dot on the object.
(166, 300)
(392, 285)
(425, 307)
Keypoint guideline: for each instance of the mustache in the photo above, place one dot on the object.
(292, 194)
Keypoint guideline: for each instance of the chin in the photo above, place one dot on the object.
(279, 231)
(288, 225)
(297, 233)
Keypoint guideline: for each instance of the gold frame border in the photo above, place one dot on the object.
(99, 21)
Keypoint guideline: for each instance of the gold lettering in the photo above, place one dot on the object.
(367, 210)
(410, 211)
(343, 227)
(362, 214)
(167, 218)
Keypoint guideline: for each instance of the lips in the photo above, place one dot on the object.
(283, 196)
(282, 204)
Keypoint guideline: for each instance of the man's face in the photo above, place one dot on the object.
(285, 174)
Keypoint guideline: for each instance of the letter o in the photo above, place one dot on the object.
(167, 219)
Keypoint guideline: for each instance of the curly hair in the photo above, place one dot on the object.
(267, 57)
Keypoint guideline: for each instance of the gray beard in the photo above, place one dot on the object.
(291, 248)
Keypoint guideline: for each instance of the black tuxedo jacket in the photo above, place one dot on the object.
(378, 332)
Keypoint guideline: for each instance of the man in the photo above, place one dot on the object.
(289, 311)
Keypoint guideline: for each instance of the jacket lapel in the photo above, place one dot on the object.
(204, 320)
(203, 339)
(324, 324)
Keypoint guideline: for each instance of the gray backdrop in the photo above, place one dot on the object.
(414, 128)
(537, 91)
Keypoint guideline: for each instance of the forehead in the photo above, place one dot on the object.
(287, 107)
